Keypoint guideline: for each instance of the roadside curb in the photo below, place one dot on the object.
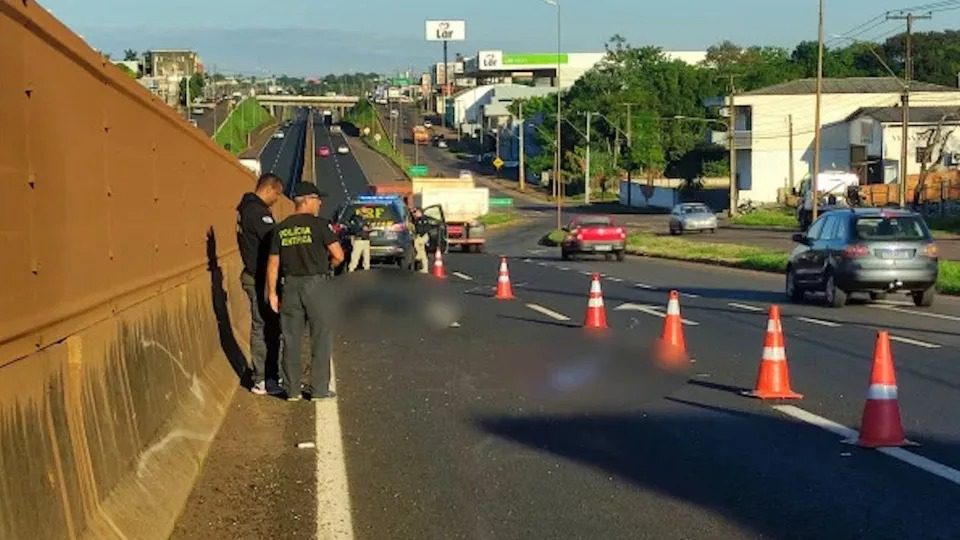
(763, 229)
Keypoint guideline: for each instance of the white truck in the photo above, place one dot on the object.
(462, 204)
(833, 189)
(253, 164)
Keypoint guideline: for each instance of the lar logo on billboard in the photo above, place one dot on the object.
(490, 59)
(446, 30)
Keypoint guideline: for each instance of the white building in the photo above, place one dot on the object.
(469, 108)
(860, 122)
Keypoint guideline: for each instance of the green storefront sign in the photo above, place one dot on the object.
(533, 59)
(418, 170)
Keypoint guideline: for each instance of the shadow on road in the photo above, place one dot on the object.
(771, 476)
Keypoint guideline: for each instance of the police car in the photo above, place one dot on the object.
(391, 237)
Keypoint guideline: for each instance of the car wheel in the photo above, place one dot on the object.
(564, 254)
(878, 296)
(794, 293)
(713, 231)
(608, 256)
(836, 297)
(621, 255)
(924, 298)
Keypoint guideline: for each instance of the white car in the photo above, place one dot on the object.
(427, 124)
(278, 135)
(342, 149)
(441, 144)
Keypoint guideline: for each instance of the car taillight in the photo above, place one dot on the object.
(621, 233)
(855, 251)
(931, 250)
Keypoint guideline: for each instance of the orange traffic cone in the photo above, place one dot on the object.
(773, 379)
(504, 290)
(881, 424)
(672, 348)
(596, 314)
(438, 265)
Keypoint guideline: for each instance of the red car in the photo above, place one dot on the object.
(594, 234)
(323, 151)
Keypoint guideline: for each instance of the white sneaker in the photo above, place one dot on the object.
(259, 389)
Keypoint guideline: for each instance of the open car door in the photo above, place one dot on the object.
(438, 230)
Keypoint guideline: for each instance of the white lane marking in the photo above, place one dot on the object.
(528, 260)
(541, 264)
(821, 322)
(586, 272)
(747, 307)
(548, 312)
(918, 343)
(689, 295)
(894, 302)
(333, 491)
(644, 286)
(463, 276)
(650, 310)
(614, 279)
(564, 268)
(916, 312)
(947, 473)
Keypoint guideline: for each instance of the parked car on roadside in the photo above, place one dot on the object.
(596, 235)
(864, 250)
(692, 217)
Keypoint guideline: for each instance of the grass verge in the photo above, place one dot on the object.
(748, 257)
(365, 115)
(944, 226)
(768, 217)
(497, 219)
(245, 118)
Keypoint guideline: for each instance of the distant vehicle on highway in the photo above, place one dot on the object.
(692, 217)
(342, 149)
(193, 122)
(442, 144)
(336, 129)
(427, 124)
(323, 151)
(198, 110)
(864, 250)
(277, 135)
(420, 135)
(596, 235)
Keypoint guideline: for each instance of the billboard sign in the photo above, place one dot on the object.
(446, 30)
(490, 59)
(494, 60)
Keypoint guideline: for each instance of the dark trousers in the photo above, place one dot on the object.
(264, 331)
(306, 300)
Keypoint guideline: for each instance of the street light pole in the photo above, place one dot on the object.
(558, 185)
(586, 180)
(816, 127)
(523, 173)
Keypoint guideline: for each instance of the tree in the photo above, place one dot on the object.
(935, 142)
(127, 71)
(130, 55)
(197, 82)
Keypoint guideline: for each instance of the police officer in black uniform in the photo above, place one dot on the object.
(304, 249)
(254, 226)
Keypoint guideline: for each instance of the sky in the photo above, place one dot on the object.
(314, 37)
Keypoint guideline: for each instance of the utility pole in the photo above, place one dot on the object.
(556, 171)
(586, 180)
(630, 156)
(905, 98)
(522, 173)
(446, 87)
(732, 142)
(790, 122)
(817, 124)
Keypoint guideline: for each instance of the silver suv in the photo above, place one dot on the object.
(869, 250)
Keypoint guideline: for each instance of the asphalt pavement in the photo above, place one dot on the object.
(516, 423)
(337, 174)
(280, 156)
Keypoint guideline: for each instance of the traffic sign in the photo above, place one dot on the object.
(497, 162)
(501, 201)
(418, 170)
(377, 137)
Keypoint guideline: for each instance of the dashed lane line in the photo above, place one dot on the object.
(644, 286)
(821, 322)
(919, 313)
(613, 279)
(548, 312)
(650, 310)
(947, 473)
(746, 307)
(916, 342)
(334, 520)
(463, 276)
(689, 295)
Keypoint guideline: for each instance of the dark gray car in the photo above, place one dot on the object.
(869, 250)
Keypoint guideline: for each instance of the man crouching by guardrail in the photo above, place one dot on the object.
(304, 249)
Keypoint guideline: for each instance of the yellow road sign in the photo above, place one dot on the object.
(497, 162)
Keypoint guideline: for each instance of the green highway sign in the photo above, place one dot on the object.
(525, 59)
(400, 81)
(418, 170)
(501, 201)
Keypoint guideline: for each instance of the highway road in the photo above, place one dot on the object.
(282, 156)
(515, 423)
(338, 174)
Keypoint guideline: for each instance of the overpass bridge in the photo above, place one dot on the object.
(340, 104)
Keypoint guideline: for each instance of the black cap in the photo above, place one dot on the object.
(306, 189)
